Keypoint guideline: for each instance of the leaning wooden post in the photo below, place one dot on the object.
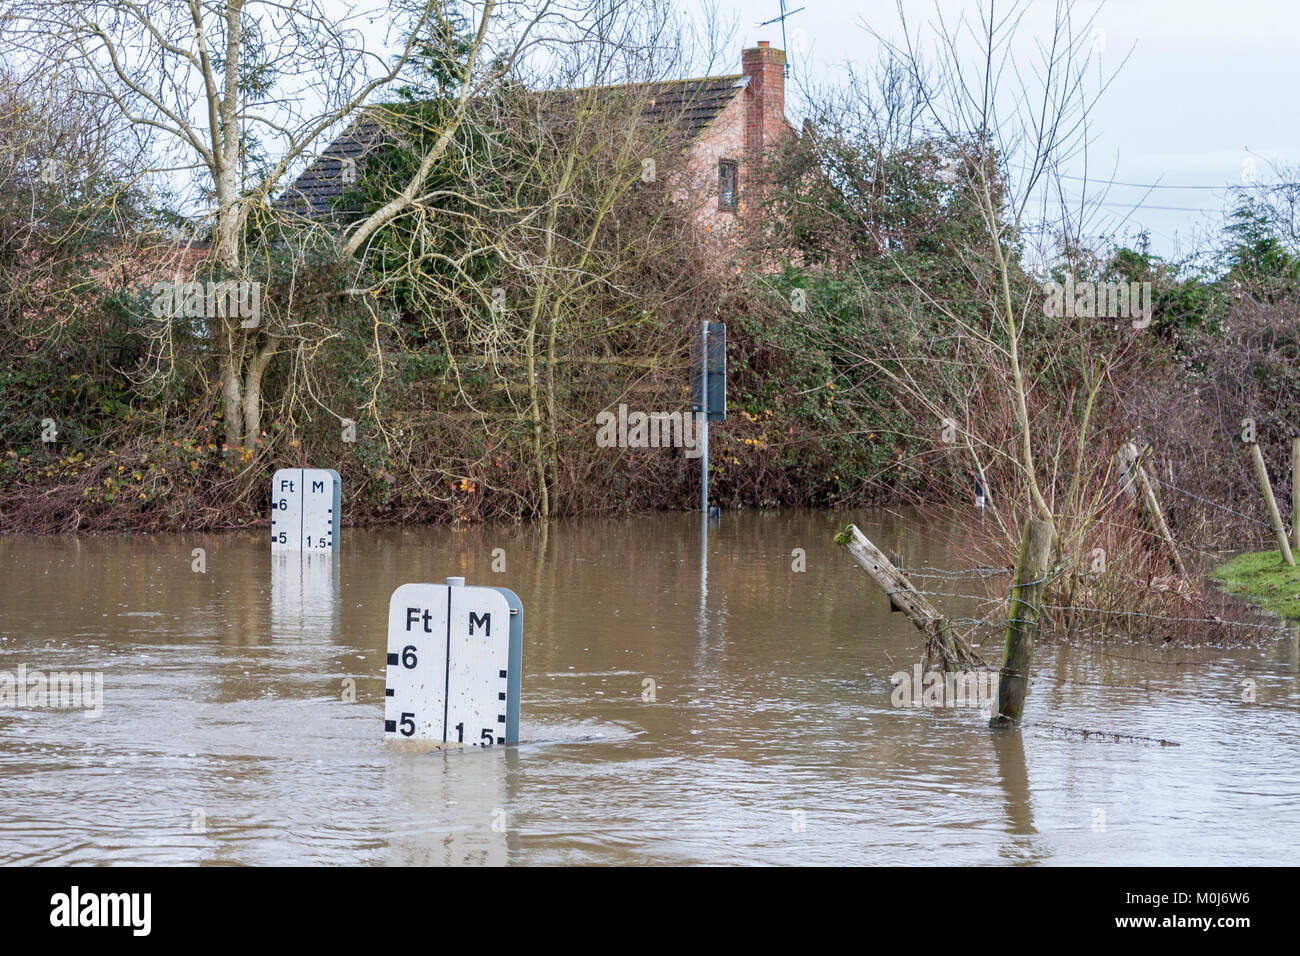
(1279, 531)
(1153, 506)
(954, 651)
(1295, 491)
(1022, 622)
(1125, 458)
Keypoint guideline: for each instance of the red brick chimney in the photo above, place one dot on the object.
(765, 96)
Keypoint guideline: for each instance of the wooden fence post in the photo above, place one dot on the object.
(1295, 491)
(1152, 504)
(953, 650)
(1279, 530)
(1022, 622)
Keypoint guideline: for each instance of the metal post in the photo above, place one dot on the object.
(704, 577)
(704, 420)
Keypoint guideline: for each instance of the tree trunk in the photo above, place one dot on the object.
(253, 392)
(231, 391)
(535, 410)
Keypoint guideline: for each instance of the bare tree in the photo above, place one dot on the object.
(537, 251)
(221, 83)
(951, 176)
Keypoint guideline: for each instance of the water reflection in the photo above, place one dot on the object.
(304, 594)
(432, 822)
(1009, 749)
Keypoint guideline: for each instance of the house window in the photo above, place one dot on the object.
(727, 185)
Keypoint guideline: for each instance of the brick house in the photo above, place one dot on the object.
(748, 119)
(724, 123)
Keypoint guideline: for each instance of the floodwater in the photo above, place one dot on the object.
(228, 735)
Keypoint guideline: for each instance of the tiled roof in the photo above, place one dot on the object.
(692, 104)
(314, 193)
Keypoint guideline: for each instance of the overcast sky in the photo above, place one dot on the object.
(1208, 87)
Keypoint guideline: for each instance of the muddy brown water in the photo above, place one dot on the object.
(226, 735)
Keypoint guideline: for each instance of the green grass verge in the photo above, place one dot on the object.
(1264, 578)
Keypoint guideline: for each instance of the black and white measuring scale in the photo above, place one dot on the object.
(306, 509)
(453, 669)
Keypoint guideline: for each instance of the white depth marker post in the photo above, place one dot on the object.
(306, 509)
(455, 654)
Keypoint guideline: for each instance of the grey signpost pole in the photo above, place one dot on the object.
(704, 419)
(704, 477)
